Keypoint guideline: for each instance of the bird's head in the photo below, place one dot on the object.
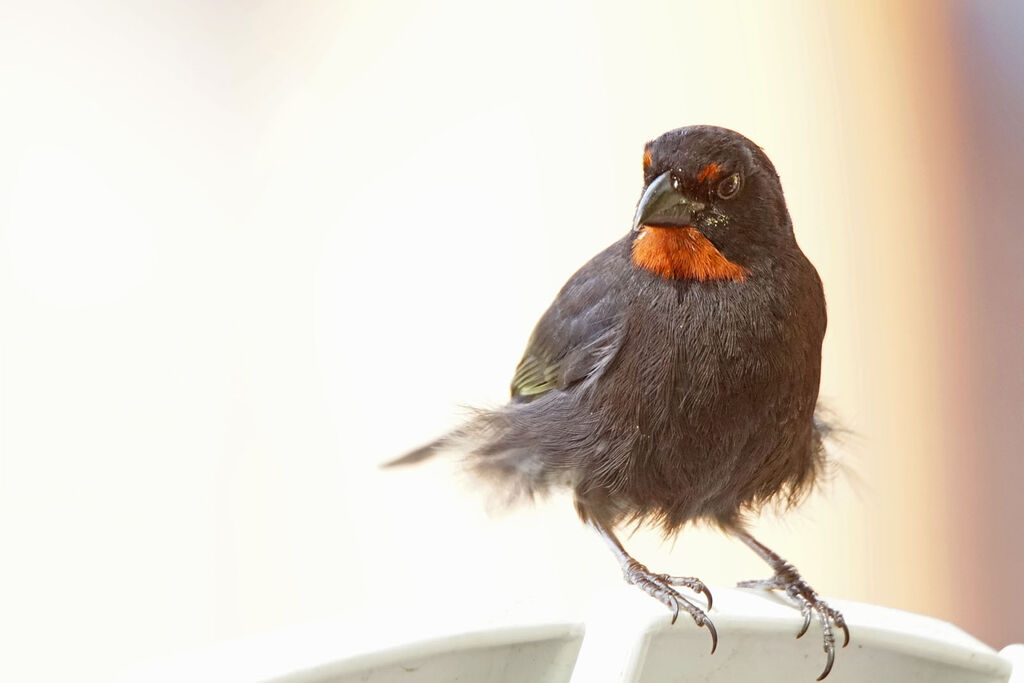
(712, 205)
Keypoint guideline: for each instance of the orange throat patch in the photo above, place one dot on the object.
(683, 254)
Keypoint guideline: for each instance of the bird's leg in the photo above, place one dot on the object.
(788, 580)
(660, 586)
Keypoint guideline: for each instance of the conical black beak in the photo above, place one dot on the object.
(665, 206)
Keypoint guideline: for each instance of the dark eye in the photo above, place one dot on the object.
(728, 188)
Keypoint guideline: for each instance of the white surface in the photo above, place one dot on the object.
(380, 652)
(1015, 655)
(627, 639)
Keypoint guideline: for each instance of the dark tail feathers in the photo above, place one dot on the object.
(418, 455)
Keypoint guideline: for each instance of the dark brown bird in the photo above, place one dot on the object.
(675, 376)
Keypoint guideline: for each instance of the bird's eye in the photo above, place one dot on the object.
(728, 188)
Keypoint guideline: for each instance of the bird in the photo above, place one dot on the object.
(674, 378)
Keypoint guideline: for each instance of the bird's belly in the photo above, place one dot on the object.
(703, 439)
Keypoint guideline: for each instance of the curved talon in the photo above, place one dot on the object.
(810, 605)
(714, 634)
(807, 623)
(696, 585)
(660, 587)
(706, 592)
(828, 665)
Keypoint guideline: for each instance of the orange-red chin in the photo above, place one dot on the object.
(683, 254)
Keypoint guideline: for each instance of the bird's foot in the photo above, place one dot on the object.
(788, 580)
(661, 587)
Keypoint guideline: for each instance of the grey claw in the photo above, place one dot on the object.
(659, 586)
(714, 634)
(828, 665)
(696, 585)
(807, 624)
(807, 601)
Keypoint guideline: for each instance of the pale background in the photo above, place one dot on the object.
(251, 250)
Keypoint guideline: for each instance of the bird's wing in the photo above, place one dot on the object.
(578, 336)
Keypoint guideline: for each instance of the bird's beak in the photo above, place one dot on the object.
(664, 206)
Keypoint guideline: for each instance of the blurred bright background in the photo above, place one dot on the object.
(248, 251)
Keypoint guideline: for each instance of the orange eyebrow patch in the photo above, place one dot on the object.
(709, 172)
(683, 254)
(647, 158)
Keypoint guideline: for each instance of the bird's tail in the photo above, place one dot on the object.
(420, 454)
(496, 446)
